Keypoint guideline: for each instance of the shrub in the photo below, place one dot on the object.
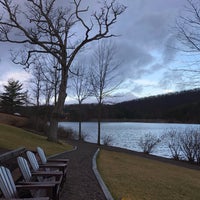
(69, 133)
(66, 133)
(148, 143)
(107, 139)
(173, 140)
(37, 124)
(190, 145)
(185, 143)
(83, 136)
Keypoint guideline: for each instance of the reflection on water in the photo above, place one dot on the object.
(127, 134)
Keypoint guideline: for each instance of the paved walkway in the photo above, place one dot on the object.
(81, 182)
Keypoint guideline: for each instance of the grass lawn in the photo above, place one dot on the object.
(12, 138)
(131, 177)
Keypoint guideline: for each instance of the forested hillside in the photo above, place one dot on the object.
(174, 107)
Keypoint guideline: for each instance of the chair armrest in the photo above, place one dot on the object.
(36, 185)
(38, 198)
(47, 173)
(22, 184)
(58, 160)
(53, 164)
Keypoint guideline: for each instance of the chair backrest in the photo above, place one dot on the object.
(42, 155)
(33, 161)
(7, 184)
(24, 168)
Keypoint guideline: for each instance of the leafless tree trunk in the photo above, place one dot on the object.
(46, 28)
(103, 75)
(80, 86)
(36, 83)
(47, 93)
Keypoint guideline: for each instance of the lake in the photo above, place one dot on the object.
(127, 134)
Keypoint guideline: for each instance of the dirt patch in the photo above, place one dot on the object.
(13, 120)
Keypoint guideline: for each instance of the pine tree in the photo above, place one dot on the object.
(12, 97)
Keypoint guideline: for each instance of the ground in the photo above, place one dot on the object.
(13, 120)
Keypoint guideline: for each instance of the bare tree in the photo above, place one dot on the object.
(36, 84)
(47, 28)
(51, 77)
(80, 86)
(188, 28)
(45, 79)
(103, 75)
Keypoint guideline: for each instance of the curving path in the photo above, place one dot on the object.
(81, 182)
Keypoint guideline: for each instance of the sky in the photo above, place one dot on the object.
(145, 47)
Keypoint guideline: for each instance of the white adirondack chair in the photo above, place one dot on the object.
(48, 166)
(44, 159)
(11, 191)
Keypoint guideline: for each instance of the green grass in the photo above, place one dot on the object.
(12, 138)
(131, 177)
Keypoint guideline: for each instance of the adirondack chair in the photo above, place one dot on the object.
(48, 167)
(11, 191)
(40, 177)
(44, 160)
(52, 161)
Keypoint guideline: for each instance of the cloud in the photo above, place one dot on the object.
(22, 76)
(147, 31)
(131, 86)
(134, 60)
(120, 97)
(146, 38)
(148, 22)
(171, 80)
(156, 67)
(169, 51)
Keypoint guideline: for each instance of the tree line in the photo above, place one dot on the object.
(174, 107)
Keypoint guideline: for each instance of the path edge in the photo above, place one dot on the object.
(58, 154)
(99, 178)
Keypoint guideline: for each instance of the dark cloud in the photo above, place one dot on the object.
(134, 59)
(169, 51)
(156, 67)
(147, 41)
(151, 30)
(172, 80)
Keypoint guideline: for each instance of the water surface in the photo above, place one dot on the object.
(128, 134)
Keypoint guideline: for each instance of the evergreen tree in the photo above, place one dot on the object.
(12, 97)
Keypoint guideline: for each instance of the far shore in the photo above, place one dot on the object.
(138, 121)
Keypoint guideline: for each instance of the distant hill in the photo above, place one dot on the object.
(174, 107)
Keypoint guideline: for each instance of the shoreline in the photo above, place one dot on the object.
(135, 120)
